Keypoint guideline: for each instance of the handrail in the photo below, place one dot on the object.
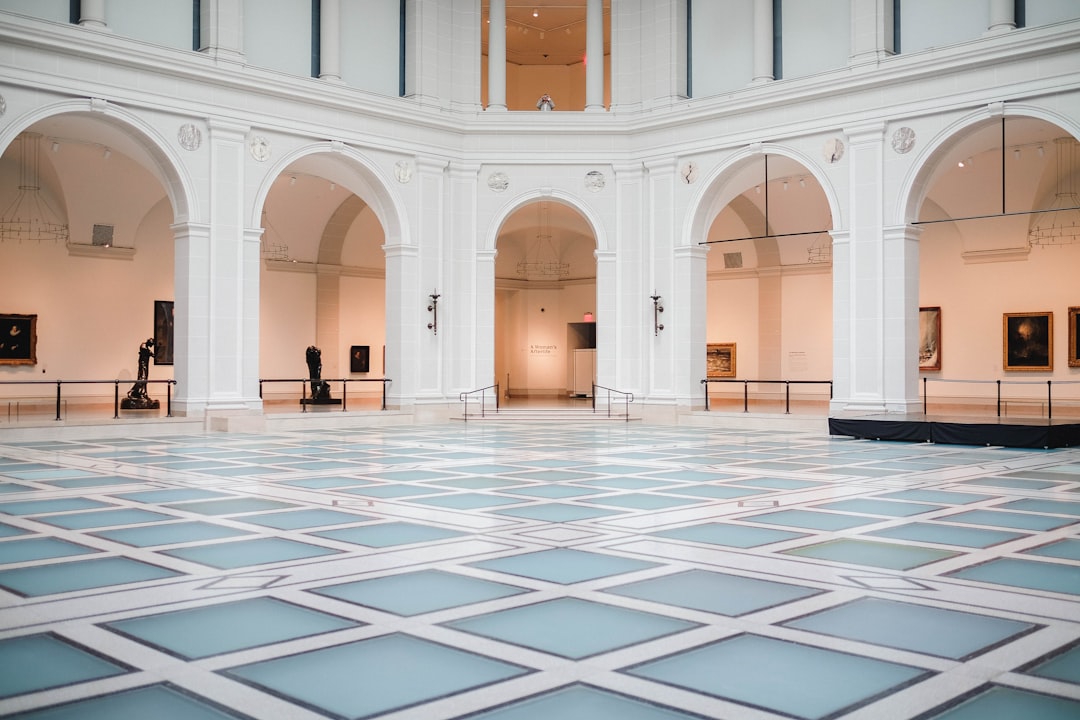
(344, 388)
(746, 392)
(464, 397)
(114, 383)
(628, 397)
(999, 383)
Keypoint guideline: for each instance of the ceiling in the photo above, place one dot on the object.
(546, 32)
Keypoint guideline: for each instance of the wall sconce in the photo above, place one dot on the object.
(657, 308)
(433, 308)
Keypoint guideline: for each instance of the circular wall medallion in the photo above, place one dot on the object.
(3, 105)
(903, 140)
(833, 150)
(594, 180)
(498, 181)
(260, 148)
(403, 171)
(189, 136)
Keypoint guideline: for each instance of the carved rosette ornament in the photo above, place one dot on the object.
(594, 181)
(189, 136)
(903, 140)
(3, 105)
(260, 148)
(498, 181)
(403, 171)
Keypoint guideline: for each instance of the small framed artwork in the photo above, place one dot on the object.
(18, 339)
(1028, 341)
(163, 332)
(720, 360)
(360, 358)
(929, 338)
(1074, 337)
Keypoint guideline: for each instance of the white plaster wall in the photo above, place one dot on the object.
(722, 46)
(1045, 12)
(161, 22)
(54, 10)
(816, 36)
(277, 35)
(932, 23)
(371, 45)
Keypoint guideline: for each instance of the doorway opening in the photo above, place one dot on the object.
(545, 300)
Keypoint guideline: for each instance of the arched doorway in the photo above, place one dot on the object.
(545, 300)
(769, 285)
(323, 283)
(996, 253)
(96, 285)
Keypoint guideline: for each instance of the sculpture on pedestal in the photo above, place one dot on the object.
(320, 390)
(137, 397)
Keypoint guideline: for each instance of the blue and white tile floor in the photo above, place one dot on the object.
(528, 572)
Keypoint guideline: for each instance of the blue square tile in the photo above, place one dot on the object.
(715, 592)
(39, 662)
(416, 593)
(563, 566)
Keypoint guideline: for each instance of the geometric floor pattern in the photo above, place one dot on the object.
(504, 571)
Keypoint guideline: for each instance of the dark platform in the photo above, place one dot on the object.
(1003, 432)
(320, 401)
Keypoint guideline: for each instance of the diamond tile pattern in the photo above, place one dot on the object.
(512, 571)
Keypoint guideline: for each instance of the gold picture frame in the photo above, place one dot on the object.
(1074, 337)
(929, 338)
(720, 360)
(1027, 341)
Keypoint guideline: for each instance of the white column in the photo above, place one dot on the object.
(610, 358)
(594, 55)
(191, 253)
(497, 55)
(763, 41)
(92, 14)
(900, 249)
(458, 268)
(686, 315)
(221, 29)
(403, 323)
(875, 287)
(330, 40)
(1002, 16)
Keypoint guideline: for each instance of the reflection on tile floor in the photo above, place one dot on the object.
(524, 572)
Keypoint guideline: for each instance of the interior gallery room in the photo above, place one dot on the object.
(651, 360)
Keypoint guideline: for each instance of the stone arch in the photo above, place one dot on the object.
(563, 198)
(148, 146)
(916, 183)
(352, 170)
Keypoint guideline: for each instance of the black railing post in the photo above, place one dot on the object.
(924, 396)
(706, 384)
(1049, 402)
(787, 397)
(344, 394)
(998, 397)
(384, 394)
(168, 396)
(57, 399)
(746, 396)
(116, 399)
(496, 397)
(303, 396)
(260, 389)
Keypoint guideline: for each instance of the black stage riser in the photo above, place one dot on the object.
(1002, 434)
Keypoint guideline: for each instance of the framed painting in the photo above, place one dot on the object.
(18, 339)
(1028, 341)
(720, 360)
(1074, 337)
(360, 358)
(163, 332)
(929, 338)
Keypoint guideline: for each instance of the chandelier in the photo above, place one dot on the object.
(1060, 224)
(271, 246)
(30, 217)
(541, 261)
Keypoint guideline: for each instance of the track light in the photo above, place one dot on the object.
(292, 180)
(802, 182)
(536, 13)
(333, 186)
(785, 185)
(107, 153)
(55, 146)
